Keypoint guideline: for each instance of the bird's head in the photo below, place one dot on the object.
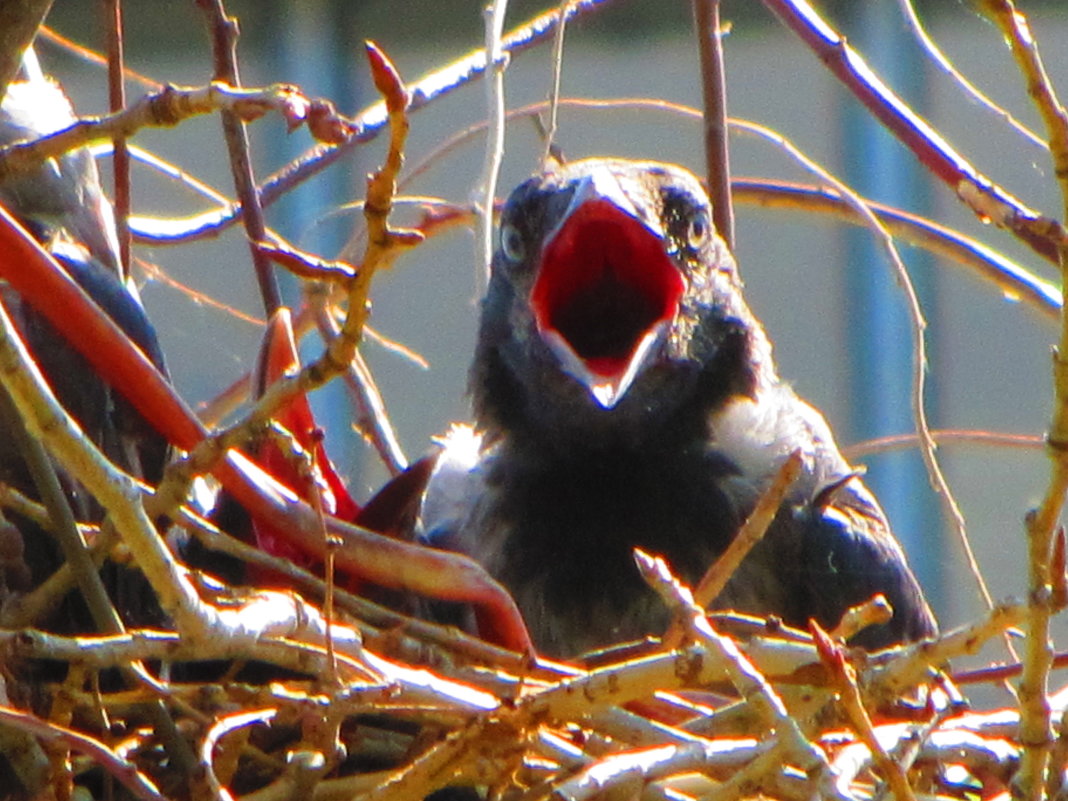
(63, 196)
(611, 292)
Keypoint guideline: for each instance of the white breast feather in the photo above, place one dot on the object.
(758, 435)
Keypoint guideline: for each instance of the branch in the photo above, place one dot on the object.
(844, 676)
(714, 96)
(224, 33)
(120, 160)
(1035, 723)
(486, 190)
(986, 199)
(370, 122)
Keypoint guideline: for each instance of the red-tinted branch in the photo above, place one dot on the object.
(714, 97)
(983, 196)
(224, 34)
(390, 563)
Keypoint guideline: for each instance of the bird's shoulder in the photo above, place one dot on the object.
(838, 535)
(757, 432)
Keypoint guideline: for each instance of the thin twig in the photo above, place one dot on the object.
(486, 191)
(554, 84)
(908, 10)
(64, 524)
(120, 151)
(845, 678)
(223, 30)
(751, 532)
(873, 612)
(223, 726)
(89, 56)
(994, 439)
(372, 419)
(714, 96)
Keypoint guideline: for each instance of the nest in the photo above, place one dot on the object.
(382, 706)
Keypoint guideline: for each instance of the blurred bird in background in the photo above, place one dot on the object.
(64, 207)
(625, 396)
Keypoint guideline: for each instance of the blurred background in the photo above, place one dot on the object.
(824, 291)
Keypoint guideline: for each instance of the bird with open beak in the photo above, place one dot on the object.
(625, 396)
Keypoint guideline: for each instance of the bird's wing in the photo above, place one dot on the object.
(848, 555)
(831, 542)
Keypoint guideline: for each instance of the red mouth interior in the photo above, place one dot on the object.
(604, 281)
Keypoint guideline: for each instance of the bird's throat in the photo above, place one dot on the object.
(603, 284)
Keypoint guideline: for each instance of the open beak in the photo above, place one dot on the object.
(606, 290)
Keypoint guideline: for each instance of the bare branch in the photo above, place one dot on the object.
(714, 96)
(988, 200)
(164, 109)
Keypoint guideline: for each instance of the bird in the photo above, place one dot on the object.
(64, 194)
(64, 207)
(625, 395)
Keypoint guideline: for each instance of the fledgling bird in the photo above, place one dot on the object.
(63, 206)
(64, 194)
(625, 396)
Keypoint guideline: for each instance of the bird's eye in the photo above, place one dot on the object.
(512, 245)
(697, 232)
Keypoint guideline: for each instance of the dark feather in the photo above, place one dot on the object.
(64, 207)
